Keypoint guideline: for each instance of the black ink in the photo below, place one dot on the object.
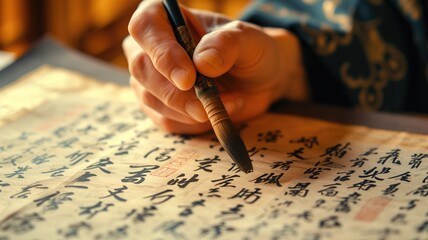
(298, 190)
(216, 231)
(315, 172)
(182, 182)
(225, 181)
(40, 159)
(77, 157)
(296, 153)
(12, 159)
(188, 209)
(67, 143)
(56, 172)
(249, 197)
(393, 154)
(118, 233)
(391, 189)
(359, 162)
(83, 178)
(344, 176)
(92, 211)
(421, 191)
(373, 173)
(139, 176)
(269, 179)
(73, 230)
(161, 195)
(164, 155)
(233, 213)
(330, 190)
(403, 177)
(179, 138)
(206, 163)
(86, 130)
(141, 217)
(282, 165)
(100, 165)
(269, 136)
(54, 200)
(345, 202)
(18, 173)
(124, 147)
(116, 192)
(26, 190)
(337, 150)
(365, 185)
(253, 151)
(307, 142)
(19, 224)
(416, 160)
(171, 227)
(330, 222)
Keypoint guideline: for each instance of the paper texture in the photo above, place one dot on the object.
(78, 160)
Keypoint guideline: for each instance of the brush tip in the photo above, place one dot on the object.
(229, 138)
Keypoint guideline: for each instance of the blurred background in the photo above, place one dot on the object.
(95, 27)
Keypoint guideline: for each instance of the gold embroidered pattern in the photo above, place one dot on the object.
(385, 63)
(326, 41)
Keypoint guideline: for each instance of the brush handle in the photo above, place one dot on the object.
(205, 88)
(202, 84)
(207, 92)
(213, 106)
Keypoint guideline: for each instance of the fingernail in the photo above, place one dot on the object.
(179, 77)
(195, 109)
(213, 57)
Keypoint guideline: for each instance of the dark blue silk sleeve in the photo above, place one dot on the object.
(370, 54)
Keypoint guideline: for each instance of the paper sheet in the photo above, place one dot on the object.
(79, 160)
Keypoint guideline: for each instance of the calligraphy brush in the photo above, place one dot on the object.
(208, 94)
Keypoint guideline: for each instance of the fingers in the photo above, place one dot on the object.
(163, 74)
(175, 126)
(150, 28)
(163, 116)
(236, 47)
(161, 94)
(146, 98)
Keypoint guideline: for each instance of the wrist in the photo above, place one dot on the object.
(290, 78)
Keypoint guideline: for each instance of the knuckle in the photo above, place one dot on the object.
(159, 52)
(136, 24)
(137, 65)
(237, 24)
(148, 99)
(169, 95)
(228, 37)
(141, 20)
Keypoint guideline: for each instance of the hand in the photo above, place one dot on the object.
(254, 67)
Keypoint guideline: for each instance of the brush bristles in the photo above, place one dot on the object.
(229, 138)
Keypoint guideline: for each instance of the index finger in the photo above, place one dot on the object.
(150, 28)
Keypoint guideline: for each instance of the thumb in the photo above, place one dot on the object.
(238, 48)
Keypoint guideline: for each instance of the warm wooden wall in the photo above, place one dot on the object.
(96, 27)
